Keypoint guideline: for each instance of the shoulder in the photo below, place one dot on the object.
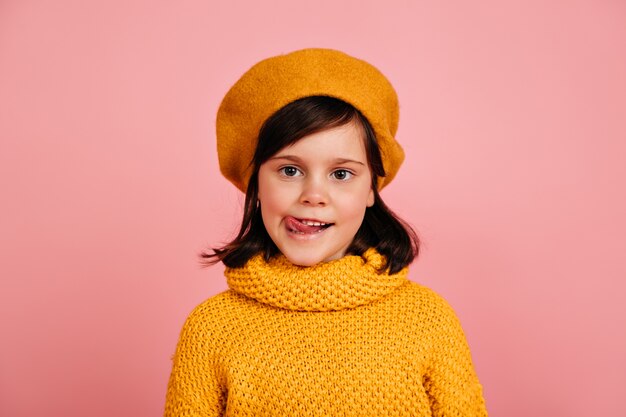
(211, 325)
(428, 305)
(426, 296)
(215, 315)
(223, 304)
(219, 303)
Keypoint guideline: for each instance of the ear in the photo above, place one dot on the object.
(370, 198)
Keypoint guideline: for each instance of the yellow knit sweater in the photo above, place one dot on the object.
(335, 339)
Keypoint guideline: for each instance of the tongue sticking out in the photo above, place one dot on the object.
(295, 225)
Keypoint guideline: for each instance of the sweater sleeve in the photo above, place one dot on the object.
(451, 381)
(195, 385)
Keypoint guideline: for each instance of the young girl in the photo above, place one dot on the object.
(320, 318)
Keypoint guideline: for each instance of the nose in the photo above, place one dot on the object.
(314, 192)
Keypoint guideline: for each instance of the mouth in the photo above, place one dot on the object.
(306, 226)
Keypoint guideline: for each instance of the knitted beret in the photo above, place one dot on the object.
(277, 81)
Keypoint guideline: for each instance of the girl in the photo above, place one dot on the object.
(320, 318)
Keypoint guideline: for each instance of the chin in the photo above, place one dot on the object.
(302, 260)
(306, 257)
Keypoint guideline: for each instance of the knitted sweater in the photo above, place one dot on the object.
(334, 339)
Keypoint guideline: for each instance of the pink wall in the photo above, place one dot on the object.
(513, 120)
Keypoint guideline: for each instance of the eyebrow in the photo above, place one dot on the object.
(299, 160)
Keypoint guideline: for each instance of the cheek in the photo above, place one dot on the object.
(352, 206)
(262, 183)
(275, 202)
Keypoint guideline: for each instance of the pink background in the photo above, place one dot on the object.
(513, 120)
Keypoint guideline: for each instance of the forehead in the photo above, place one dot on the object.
(342, 142)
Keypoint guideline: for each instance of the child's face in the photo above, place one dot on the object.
(325, 178)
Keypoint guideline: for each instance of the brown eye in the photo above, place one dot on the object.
(289, 171)
(342, 174)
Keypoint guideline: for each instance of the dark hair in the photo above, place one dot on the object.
(381, 228)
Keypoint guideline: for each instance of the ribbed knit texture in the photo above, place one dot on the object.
(323, 287)
(336, 339)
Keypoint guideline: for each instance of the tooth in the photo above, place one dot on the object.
(312, 223)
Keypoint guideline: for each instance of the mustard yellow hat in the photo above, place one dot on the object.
(277, 81)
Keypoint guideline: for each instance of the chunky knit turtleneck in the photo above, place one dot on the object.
(336, 285)
(335, 339)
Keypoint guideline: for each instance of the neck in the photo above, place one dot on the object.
(336, 285)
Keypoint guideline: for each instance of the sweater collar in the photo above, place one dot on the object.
(336, 285)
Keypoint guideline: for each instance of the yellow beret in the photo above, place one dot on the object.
(277, 81)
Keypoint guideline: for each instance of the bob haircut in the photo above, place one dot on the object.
(381, 228)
